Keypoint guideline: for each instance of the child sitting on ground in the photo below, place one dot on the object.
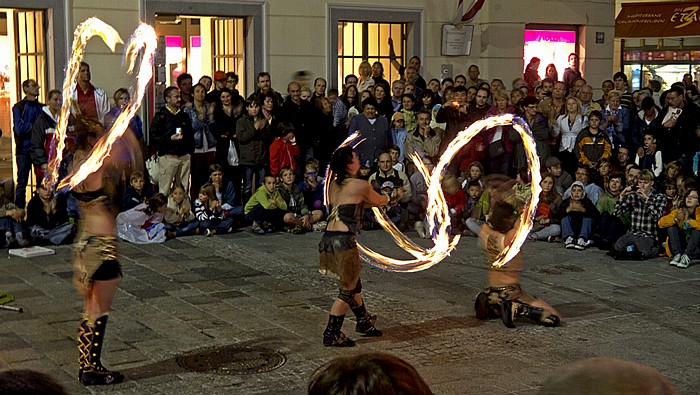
(208, 211)
(11, 222)
(47, 218)
(312, 186)
(266, 209)
(473, 195)
(577, 215)
(136, 192)
(562, 179)
(178, 217)
(143, 224)
(502, 296)
(299, 218)
(474, 173)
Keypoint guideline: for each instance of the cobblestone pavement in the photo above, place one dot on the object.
(196, 293)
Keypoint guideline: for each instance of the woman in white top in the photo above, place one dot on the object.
(569, 125)
(365, 73)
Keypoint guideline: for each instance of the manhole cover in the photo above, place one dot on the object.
(232, 360)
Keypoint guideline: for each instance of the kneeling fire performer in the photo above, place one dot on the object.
(502, 296)
(97, 271)
(348, 196)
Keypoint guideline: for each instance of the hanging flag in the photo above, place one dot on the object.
(470, 13)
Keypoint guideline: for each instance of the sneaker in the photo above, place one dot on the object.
(418, 226)
(257, 229)
(676, 259)
(531, 237)
(21, 241)
(569, 243)
(209, 232)
(580, 244)
(589, 243)
(553, 239)
(684, 261)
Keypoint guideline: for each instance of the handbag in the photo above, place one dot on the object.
(496, 149)
(153, 167)
(232, 155)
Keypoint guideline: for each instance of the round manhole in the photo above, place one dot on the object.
(232, 360)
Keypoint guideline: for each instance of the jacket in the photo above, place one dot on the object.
(37, 216)
(540, 131)
(201, 129)
(41, 144)
(101, 101)
(668, 221)
(283, 154)
(592, 147)
(377, 138)
(425, 146)
(264, 198)
(163, 127)
(299, 202)
(24, 114)
(253, 143)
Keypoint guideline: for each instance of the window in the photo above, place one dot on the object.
(228, 49)
(358, 41)
(31, 49)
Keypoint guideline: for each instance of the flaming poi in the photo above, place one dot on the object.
(437, 211)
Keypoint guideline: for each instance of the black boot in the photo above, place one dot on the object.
(333, 336)
(91, 370)
(538, 315)
(365, 322)
(508, 309)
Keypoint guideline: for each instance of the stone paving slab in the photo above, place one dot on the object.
(245, 290)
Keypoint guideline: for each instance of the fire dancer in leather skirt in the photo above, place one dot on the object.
(348, 197)
(97, 271)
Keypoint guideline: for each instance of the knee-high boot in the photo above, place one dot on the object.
(90, 337)
(365, 322)
(333, 336)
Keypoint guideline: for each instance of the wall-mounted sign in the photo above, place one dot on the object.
(457, 40)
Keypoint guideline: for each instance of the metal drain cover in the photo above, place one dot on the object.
(232, 360)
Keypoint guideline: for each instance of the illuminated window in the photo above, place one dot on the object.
(31, 49)
(228, 48)
(551, 46)
(358, 41)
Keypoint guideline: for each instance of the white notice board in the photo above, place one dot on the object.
(457, 39)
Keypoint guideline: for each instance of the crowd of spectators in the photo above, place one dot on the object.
(225, 161)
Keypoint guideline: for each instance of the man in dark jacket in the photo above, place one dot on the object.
(24, 113)
(375, 131)
(173, 138)
(676, 135)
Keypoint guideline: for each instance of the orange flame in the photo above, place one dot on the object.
(143, 40)
(437, 210)
(84, 32)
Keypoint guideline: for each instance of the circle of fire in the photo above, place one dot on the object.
(437, 212)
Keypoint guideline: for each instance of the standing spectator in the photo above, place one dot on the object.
(319, 88)
(384, 106)
(374, 129)
(499, 146)
(587, 103)
(378, 74)
(455, 116)
(540, 131)
(531, 75)
(425, 141)
(606, 87)
(645, 207)
(474, 79)
(572, 73)
(364, 71)
(184, 84)
(397, 90)
(653, 161)
(554, 106)
(298, 113)
(219, 84)
(121, 100)
(327, 139)
(228, 152)
(92, 102)
(345, 102)
(592, 144)
(173, 139)
(253, 133)
(569, 126)
(265, 85)
(551, 72)
(43, 146)
(621, 160)
(620, 81)
(24, 113)
(201, 116)
(414, 62)
(616, 120)
(676, 135)
(646, 119)
(284, 150)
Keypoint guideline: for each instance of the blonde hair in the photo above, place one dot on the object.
(614, 93)
(501, 94)
(450, 183)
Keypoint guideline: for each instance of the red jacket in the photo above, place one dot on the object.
(283, 154)
(456, 201)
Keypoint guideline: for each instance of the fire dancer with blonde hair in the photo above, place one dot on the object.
(502, 295)
(97, 271)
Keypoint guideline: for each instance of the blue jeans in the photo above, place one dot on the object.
(570, 227)
(184, 229)
(678, 244)
(24, 166)
(248, 172)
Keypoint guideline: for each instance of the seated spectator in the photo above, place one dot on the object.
(593, 191)
(474, 173)
(398, 132)
(670, 173)
(12, 223)
(312, 187)
(387, 173)
(284, 151)
(645, 207)
(546, 225)
(299, 218)
(494, 185)
(621, 159)
(136, 192)
(602, 173)
(224, 191)
(577, 215)
(592, 144)
(425, 140)
(562, 179)
(611, 227)
(47, 218)
(266, 209)
(646, 160)
(456, 201)
(208, 211)
(393, 211)
(522, 185)
(375, 373)
(397, 163)
(683, 228)
(419, 200)
(143, 224)
(178, 217)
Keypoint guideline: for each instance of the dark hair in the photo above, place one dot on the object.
(524, 174)
(231, 74)
(460, 88)
(198, 85)
(369, 374)
(155, 201)
(332, 92)
(535, 59)
(370, 101)
(677, 90)
(348, 77)
(54, 92)
(552, 195)
(473, 184)
(393, 148)
(447, 79)
(269, 175)
(530, 100)
(404, 96)
(547, 79)
(620, 74)
(503, 216)
(168, 91)
(339, 161)
(29, 382)
(182, 77)
(597, 114)
(462, 76)
(262, 74)
(215, 167)
(264, 95)
(284, 128)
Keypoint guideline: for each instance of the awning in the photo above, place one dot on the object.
(658, 20)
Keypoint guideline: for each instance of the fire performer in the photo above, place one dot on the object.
(502, 296)
(97, 271)
(348, 196)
